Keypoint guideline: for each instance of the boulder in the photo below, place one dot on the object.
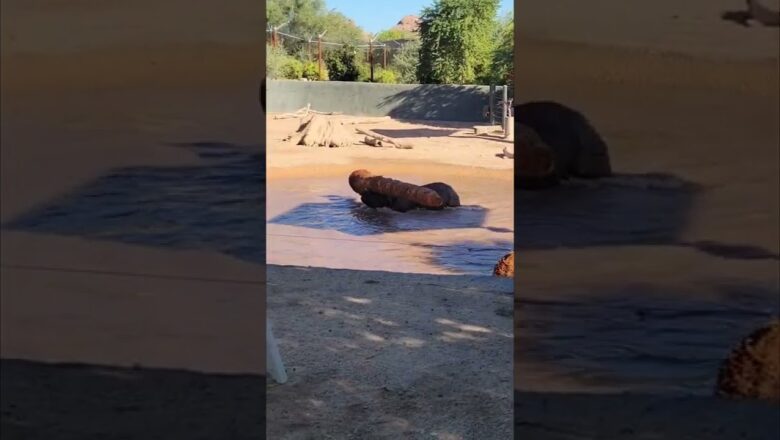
(752, 370)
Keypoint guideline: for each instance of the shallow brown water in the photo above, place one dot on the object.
(321, 222)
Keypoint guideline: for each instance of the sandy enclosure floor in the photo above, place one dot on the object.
(398, 356)
(435, 143)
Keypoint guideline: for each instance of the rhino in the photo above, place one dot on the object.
(554, 143)
(446, 192)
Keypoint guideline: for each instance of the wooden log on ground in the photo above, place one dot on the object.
(373, 142)
(384, 139)
(486, 129)
(363, 182)
(300, 113)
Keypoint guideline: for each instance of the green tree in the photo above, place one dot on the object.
(404, 62)
(457, 41)
(503, 55)
(307, 19)
(343, 64)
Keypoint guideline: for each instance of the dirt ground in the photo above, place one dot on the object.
(435, 143)
(386, 356)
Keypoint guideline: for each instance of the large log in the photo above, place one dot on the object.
(384, 139)
(363, 182)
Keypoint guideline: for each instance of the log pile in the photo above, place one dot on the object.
(316, 131)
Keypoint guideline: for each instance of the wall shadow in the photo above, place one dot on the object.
(438, 102)
(215, 206)
(90, 402)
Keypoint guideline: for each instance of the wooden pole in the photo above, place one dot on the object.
(319, 54)
(384, 56)
(371, 57)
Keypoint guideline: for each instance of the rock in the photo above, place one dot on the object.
(505, 266)
(752, 370)
(577, 149)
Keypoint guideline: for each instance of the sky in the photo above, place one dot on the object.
(375, 16)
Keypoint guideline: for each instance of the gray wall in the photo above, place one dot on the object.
(401, 101)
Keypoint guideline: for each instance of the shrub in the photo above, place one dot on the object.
(292, 69)
(343, 64)
(385, 76)
(275, 58)
(311, 71)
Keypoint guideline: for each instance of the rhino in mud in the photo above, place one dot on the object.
(376, 200)
(554, 143)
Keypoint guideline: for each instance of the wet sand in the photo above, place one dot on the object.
(641, 284)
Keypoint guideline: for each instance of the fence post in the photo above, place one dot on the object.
(319, 55)
(504, 107)
(492, 104)
(371, 56)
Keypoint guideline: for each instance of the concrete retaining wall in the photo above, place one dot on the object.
(401, 101)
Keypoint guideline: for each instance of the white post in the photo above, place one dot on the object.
(273, 358)
(504, 108)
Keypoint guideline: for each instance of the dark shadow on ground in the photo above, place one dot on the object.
(639, 338)
(438, 102)
(739, 17)
(566, 416)
(641, 209)
(469, 257)
(349, 216)
(415, 133)
(215, 206)
(85, 402)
